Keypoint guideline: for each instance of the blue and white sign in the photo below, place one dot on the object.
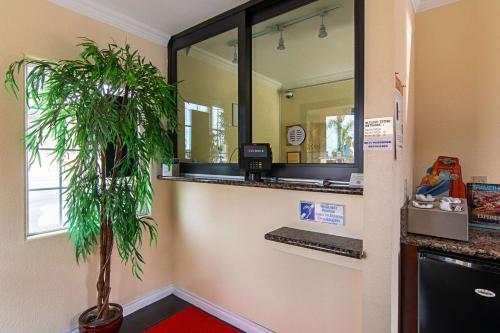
(322, 212)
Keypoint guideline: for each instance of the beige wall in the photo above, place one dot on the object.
(457, 87)
(266, 117)
(404, 64)
(220, 253)
(42, 288)
(388, 42)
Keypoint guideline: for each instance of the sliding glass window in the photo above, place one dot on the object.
(303, 83)
(288, 73)
(207, 73)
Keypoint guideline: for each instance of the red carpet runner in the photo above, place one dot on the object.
(191, 320)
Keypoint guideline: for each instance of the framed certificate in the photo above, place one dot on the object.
(293, 157)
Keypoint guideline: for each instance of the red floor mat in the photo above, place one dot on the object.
(191, 320)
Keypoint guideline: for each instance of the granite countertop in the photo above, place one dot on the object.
(348, 247)
(272, 184)
(482, 243)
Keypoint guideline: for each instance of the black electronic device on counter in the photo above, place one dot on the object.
(255, 159)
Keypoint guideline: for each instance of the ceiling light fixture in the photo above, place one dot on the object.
(235, 55)
(281, 42)
(272, 29)
(322, 29)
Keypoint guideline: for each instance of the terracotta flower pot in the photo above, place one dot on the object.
(111, 325)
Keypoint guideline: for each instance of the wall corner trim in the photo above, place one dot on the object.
(117, 20)
(205, 305)
(416, 4)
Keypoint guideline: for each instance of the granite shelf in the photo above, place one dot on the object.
(343, 246)
(482, 243)
(271, 184)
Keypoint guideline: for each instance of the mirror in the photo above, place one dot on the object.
(207, 73)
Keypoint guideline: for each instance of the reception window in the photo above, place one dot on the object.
(288, 73)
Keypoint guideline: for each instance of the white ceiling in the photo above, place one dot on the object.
(423, 5)
(307, 59)
(155, 20)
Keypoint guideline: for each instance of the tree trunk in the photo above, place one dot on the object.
(107, 281)
(102, 281)
(106, 229)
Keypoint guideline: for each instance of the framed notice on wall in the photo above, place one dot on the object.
(293, 157)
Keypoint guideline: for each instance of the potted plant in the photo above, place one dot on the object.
(118, 113)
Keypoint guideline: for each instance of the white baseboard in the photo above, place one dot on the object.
(141, 302)
(147, 299)
(229, 317)
(237, 321)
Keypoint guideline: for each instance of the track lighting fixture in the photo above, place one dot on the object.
(281, 42)
(322, 29)
(280, 27)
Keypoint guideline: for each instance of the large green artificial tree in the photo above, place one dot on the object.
(104, 98)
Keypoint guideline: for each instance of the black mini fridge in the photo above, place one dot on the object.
(457, 294)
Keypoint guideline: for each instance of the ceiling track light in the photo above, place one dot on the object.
(322, 29)
(281, 41)
(285, 25)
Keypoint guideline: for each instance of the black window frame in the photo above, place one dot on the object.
(243, 18)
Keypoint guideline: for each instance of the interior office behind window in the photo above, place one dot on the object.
(303, 74)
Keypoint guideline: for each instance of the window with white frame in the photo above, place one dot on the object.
(218, 135)
(189, 108)
(216, 149)
(45, 196)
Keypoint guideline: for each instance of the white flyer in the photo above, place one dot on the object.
(379, 134)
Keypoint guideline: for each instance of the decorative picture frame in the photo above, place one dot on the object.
(293, 157)
(234, 110)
